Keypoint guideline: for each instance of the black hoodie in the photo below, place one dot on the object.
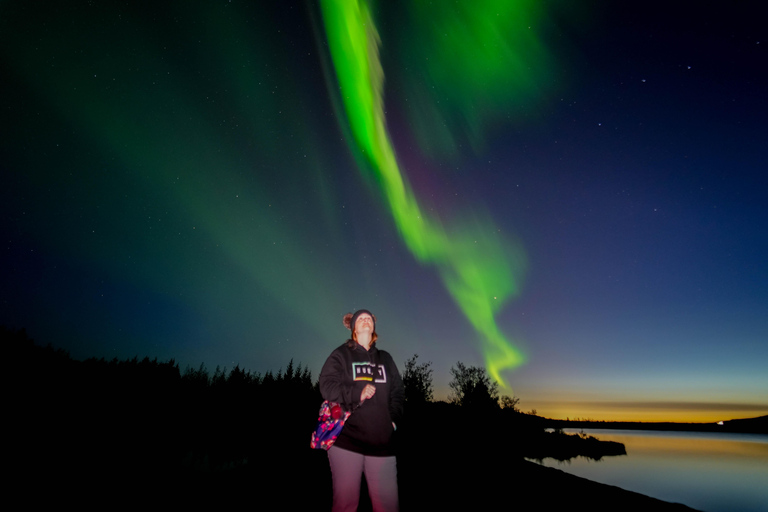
(344, 375)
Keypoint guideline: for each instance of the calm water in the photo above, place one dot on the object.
(709, 472)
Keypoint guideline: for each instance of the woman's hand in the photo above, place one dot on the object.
(368, 391)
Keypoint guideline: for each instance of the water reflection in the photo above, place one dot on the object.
(709, 472)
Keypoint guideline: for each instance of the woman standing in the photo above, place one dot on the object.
(365, 380)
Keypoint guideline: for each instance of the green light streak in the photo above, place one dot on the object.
(479, 268)
(472, 64)
(142, 111)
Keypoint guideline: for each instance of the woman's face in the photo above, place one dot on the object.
(364, 323)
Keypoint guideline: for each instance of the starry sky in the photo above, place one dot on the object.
(185, 180)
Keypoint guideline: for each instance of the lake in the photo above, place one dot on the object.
(706, 471)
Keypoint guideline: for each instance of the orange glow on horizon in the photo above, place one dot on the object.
(565, 405)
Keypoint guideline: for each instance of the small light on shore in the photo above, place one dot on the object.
(721, 423)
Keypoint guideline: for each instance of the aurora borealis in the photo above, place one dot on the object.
(477, 267)
(565, 184)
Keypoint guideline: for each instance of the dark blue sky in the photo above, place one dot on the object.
(177, 182)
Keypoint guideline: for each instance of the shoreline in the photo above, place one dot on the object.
(758, 425)
(600, 496)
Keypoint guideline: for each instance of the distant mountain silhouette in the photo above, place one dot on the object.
(757, 425)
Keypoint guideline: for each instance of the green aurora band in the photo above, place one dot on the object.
(167, 158)
(480, 269)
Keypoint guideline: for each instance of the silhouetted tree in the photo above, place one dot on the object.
(288, 375)
(198, 378)
(510, 402)
(417, 380)
(219, 376)
(472, 387)
(304, 376)
(238, 377)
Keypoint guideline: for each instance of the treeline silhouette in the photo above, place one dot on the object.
(140, 428)
(144, 420)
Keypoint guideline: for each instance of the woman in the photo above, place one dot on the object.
(364, 380)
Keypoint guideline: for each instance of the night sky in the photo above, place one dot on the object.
(585, 191)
